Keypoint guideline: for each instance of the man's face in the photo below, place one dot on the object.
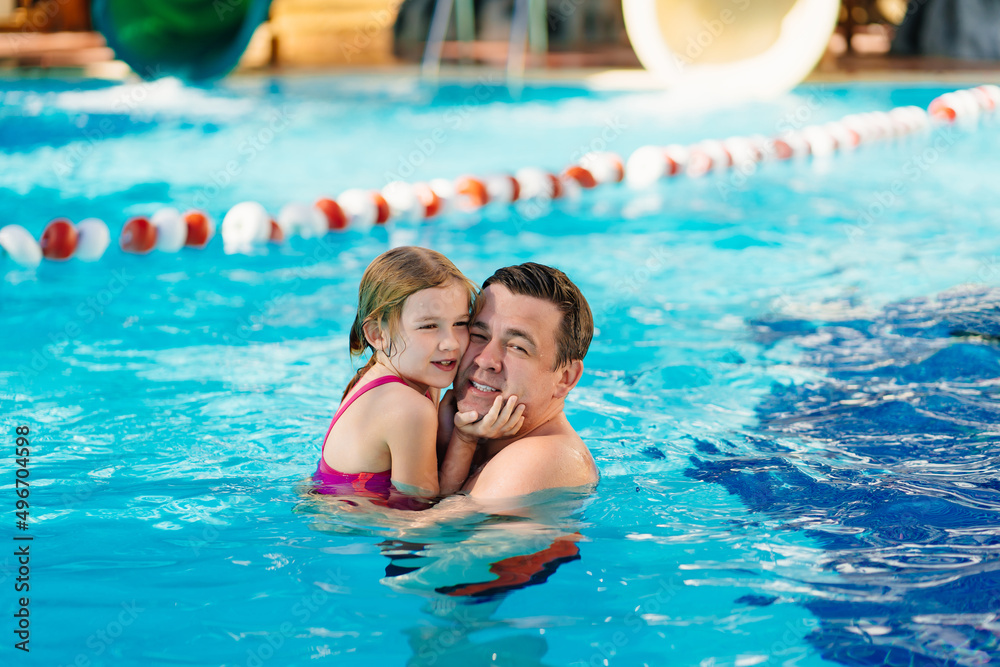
(512, 349)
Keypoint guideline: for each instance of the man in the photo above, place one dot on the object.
(528, 338)
(529, 334)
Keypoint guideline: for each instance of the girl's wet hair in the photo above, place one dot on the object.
(386, 284)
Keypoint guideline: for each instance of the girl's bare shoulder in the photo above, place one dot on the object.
(401, 402)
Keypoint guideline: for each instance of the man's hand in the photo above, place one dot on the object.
(503, 420)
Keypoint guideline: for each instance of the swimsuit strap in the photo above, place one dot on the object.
(377, 382)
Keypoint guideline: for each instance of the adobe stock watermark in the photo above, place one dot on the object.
(102, 639)
(324, 251)
(378, 21)
(453, 119)
(989, 269)
(79, 494)
(302, 610)
(225, 7)
(710, 31)
(635, 622)
(613, 129)
(564, 10)
(535, 207)
(629, 285)
(248, 149)
(87, 310)
(802, 115)
(129, 99)
(791, 639)
(209, 535)
(912, 171)
(442, 642)
(38, 19)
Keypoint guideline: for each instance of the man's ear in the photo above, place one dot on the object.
(569, 375)
(375, 335)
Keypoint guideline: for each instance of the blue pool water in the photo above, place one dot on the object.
(792, 395)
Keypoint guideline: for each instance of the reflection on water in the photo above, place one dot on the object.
(891, 462)
(464, 559)
(455, 569)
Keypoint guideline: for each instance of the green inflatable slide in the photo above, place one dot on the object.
(191, 39)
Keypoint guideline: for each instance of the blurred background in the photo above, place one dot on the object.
(870, 35)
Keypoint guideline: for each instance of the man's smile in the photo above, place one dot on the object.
(484, 388)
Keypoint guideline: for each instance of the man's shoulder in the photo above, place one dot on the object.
(550, 445)
(535, 463)
(558, 453)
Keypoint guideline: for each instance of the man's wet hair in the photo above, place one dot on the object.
(552, 285)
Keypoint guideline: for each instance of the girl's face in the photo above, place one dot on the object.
(432, 336)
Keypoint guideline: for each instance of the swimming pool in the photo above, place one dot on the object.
(796, 433)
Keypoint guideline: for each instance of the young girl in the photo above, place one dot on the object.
(413, 314)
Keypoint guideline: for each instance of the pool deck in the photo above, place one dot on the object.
(83, 54)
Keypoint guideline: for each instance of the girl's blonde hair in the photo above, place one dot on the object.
(386, 284)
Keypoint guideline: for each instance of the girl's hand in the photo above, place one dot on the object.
(503, 420)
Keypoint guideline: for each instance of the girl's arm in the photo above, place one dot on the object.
(446, 424)
(411, 430)
(503, 420)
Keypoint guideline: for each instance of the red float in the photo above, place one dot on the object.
(430, 199)
(473, 191)
(673, 166)
(198, 229)
(383, 208)
(783, 149)
(942, 110)
(699, 162)
(557, 186)
(277, 236)
(138, 236)
(335, 217)
(728, 157)
(620, 170)
(987, 96)
(59, 240)
(581, 176)
(515, 189)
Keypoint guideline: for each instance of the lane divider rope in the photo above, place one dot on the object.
(248, 223)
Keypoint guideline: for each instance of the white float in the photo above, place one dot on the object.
(18, 243)
(359, 207)
(245, 225)
(404, 204)
(94, 238)
(298, 219)
(171, 229)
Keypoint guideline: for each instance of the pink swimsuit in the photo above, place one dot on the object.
(359, 483)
